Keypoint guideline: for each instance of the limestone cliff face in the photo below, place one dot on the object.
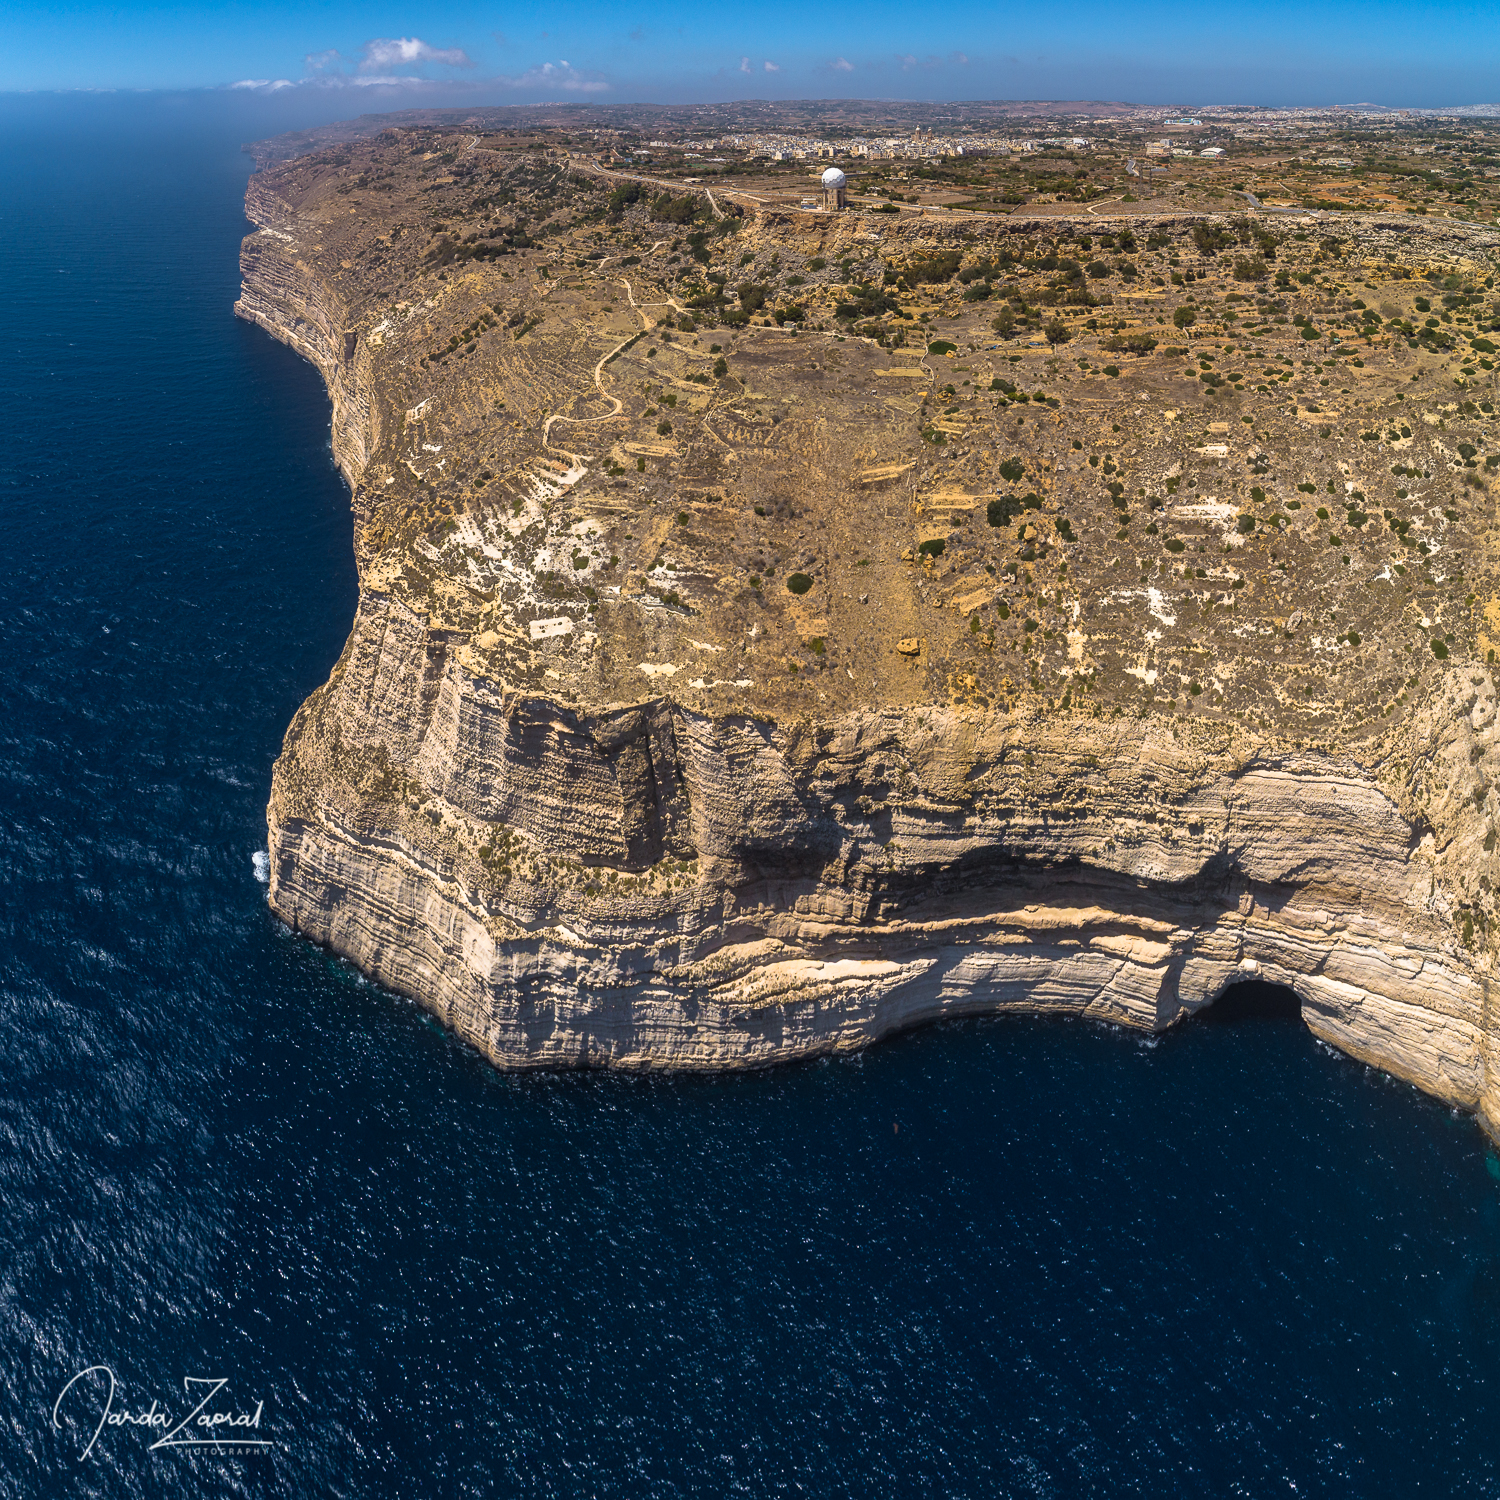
(718, 894)
(281, 293)
(638, 883)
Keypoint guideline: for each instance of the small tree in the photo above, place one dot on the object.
(1057, 332)
(1184, 317)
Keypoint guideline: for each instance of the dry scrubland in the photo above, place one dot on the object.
(780, 626)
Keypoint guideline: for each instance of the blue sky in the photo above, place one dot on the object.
(386, 54)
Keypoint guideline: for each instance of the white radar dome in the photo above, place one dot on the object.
(834, 178)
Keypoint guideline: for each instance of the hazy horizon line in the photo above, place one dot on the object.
(411, 89)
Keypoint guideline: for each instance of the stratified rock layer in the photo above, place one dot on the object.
(627, 830)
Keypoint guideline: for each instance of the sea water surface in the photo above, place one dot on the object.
(1013, 1258)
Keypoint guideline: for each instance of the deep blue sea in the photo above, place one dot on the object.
(1012, 1258)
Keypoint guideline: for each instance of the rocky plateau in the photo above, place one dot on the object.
(778, 628)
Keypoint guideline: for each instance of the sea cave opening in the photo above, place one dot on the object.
(1252, 1000)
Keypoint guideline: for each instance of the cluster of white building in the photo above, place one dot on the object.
(925, 142)
(921, 143)
(1167, 148)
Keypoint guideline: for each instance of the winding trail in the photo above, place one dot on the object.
(619, 405)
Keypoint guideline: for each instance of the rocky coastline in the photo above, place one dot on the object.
(582, 865)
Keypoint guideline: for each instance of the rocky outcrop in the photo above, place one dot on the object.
(685, 892)
(623, 879)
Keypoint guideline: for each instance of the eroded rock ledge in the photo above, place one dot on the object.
(577, 861)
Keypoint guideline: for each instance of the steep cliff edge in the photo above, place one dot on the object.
(769, 715)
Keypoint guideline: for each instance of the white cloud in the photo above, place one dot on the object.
(907, 61)
(744, 65)
(559, 75)
(384, 53)
(378, 58)
(841, 65)
(961, 58)
(773, 67)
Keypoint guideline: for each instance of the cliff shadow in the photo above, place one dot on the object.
(1251, 1000)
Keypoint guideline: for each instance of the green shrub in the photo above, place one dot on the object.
(669, 210)
(1173, 545)
(1439, 649)
(941, 346)
(1211, 238)
(938, 267)
(933, 548)
(1012, 470)
(798, 583)
(1129, 343)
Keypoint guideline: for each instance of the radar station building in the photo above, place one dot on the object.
(834, 187)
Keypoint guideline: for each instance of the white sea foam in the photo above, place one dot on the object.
(262, 863)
